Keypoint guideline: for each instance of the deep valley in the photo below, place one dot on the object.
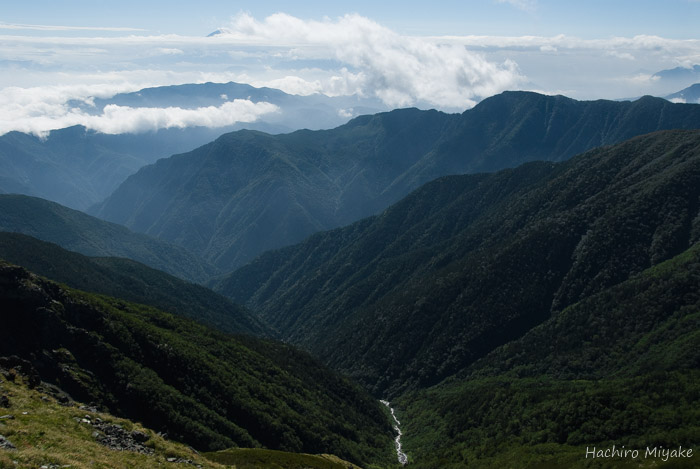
(505, 287)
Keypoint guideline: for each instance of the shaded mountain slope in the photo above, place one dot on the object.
(619, 367)
(249, 192)
(131, 281)
(516, 127)
(468, 263)
(76, 231)
(78, 167)
(207, 389)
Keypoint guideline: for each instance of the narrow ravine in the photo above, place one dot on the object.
(403, 459)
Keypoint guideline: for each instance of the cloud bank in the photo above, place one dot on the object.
(39, 111)
(376, 61)
(40, 75)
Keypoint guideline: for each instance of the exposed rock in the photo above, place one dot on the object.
(5, 443)
(115, 437)
(183, 461)
(57, 393)
(7, 417)
(139, 437)
(12, 366)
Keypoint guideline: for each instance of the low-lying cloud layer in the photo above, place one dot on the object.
(38, 111)
(41, 74)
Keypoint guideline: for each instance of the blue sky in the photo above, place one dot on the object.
(442, 54)
(676, 19)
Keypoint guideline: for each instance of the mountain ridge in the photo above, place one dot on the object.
(77, 231)
(306, 181)
(690, 94)
(79, 167)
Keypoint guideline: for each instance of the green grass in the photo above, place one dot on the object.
(249, 458)
(47, 433)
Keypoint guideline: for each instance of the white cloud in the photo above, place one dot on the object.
(620, 55)
(678, 100)
(353, 53)
(401, 70)
(641, 78)
(40, 110)
(121, 119)
(292, 85)
(341, 56)
(169, 51)
(563, 42)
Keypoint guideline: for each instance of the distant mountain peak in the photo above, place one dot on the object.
(219, 32)
(679, 72)
(690, 94)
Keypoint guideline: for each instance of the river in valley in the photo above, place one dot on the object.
(403, 459)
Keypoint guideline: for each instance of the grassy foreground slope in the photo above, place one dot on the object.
(243, 458)
(621, 367)
(47, 433)
(207, 389)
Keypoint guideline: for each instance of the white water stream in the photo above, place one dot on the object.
(403, 459)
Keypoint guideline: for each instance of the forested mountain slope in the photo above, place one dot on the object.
(78, 167)
(468, 263)
(248, 192)
(620, 367)
(205, 388)
(76, 231)
(131, 281)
